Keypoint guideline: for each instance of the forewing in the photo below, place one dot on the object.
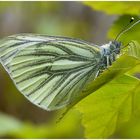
(49, 71)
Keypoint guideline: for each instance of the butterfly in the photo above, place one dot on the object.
(51, 71)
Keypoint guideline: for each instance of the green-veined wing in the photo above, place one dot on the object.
(49, 71)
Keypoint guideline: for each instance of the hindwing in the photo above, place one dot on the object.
(49, 71)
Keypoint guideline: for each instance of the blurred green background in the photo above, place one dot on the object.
(97, 22)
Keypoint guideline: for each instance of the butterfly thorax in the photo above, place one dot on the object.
(109, 54)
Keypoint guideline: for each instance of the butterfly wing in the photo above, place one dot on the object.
(49, 71)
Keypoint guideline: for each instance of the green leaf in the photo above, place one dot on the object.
(112, 98)
(132, 34)
(108, 107)
(115, 7)
(131, 128)
(134, 49)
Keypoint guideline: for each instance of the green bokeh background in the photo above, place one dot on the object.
(97, 22)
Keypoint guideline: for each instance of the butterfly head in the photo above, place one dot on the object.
(115, 47)
(109, 53)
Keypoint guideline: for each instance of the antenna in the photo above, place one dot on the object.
(125, 29)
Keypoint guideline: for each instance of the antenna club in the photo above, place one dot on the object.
(132, 19)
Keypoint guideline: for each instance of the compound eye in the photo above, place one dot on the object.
(112, 46)
(118, 44)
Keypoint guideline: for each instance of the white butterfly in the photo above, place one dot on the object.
(51, 71)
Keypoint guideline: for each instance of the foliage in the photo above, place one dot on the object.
(132, 8)
(130, 129)
(110, 107)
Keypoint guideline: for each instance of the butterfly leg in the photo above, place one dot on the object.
(97, 74)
